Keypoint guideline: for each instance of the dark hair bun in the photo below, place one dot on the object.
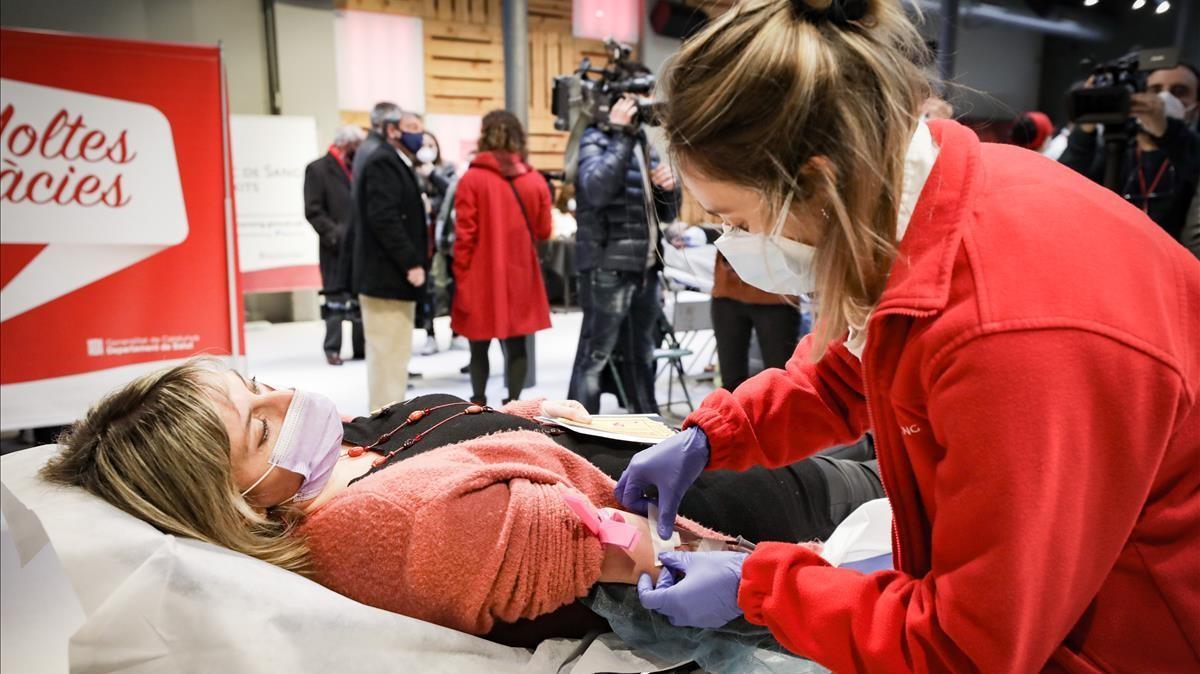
(839, 12)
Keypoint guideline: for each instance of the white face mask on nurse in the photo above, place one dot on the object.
(772, 253)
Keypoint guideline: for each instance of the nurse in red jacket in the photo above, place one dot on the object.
(1023, 343)
(502, 208)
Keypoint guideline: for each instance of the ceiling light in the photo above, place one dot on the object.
(1163, 7)
(1138, 4)
(1090, 3)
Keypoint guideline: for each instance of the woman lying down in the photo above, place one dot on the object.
(433, 508)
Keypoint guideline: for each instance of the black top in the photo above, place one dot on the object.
(363, 431)
(1168, 203)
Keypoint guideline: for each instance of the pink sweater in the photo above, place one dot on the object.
(467, 534)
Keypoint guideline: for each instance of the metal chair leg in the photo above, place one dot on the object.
(622, 398)
(683, 385)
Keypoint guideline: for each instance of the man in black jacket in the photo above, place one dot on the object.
(327, 207)
(617, 256)
(388, 250)
(1161, 164)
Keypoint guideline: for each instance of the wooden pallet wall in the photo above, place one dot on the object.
(464, 61)
(559, 10)
(475, 12)
(464, 68)
(553, 50)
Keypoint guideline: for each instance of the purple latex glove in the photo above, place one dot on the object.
(671, 467)
(707, 594)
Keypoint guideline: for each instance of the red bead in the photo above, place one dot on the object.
(378, 462)
(416, 416)
(473, 409)
(355, 452)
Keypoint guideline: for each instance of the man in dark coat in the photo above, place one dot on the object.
(389, 250)
(327, 206)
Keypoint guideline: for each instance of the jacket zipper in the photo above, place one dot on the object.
(884, 468)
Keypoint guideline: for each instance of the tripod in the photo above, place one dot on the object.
(1116, 138)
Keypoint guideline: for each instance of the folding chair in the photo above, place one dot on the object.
(673, 354)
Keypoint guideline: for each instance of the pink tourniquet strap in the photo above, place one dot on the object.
(604, 524)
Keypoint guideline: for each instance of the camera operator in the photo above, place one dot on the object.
(617, 255)
(1161, 164)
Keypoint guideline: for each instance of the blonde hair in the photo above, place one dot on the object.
(158, 450)
(772, 84)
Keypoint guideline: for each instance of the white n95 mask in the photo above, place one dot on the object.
(309, 443)
(770, 263)
(426, 155)
(1172, 106)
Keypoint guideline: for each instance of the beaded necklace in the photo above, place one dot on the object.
(413, 418)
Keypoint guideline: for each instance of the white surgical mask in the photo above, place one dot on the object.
(426, 155)
(771, 263)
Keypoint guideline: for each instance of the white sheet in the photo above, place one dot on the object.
(152, 603)
(865, 534)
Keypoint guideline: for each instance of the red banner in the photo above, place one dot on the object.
(117, 252)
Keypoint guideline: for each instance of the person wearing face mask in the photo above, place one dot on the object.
(389, 249)
(327, 206)
(617, 255)
(1161, 164)
(436, 178)
(1021, 342)
(434, 508)
(740, 308)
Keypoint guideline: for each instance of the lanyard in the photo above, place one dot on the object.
(1147, 191)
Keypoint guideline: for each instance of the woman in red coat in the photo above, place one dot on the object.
(503, 208)
(1024, 344)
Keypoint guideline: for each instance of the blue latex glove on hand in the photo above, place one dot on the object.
(706, 596)
(671, 467)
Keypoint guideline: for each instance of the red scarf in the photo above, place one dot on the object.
(341, 159)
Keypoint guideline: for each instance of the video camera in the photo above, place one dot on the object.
(1106, 101)
(578, 100)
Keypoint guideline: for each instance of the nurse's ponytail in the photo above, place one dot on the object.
(772, 84)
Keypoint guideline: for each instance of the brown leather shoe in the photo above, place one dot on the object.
(333, 358)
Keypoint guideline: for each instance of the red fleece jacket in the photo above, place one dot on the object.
(1031, 375)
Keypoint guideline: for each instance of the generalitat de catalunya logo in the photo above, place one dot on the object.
(93, 179)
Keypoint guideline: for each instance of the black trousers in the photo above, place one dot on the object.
(620, 312)
(328, 259)
(777, 327)
(802, 501)
(333, 335)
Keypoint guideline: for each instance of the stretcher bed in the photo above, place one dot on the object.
(89, 588)
(89, 585)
